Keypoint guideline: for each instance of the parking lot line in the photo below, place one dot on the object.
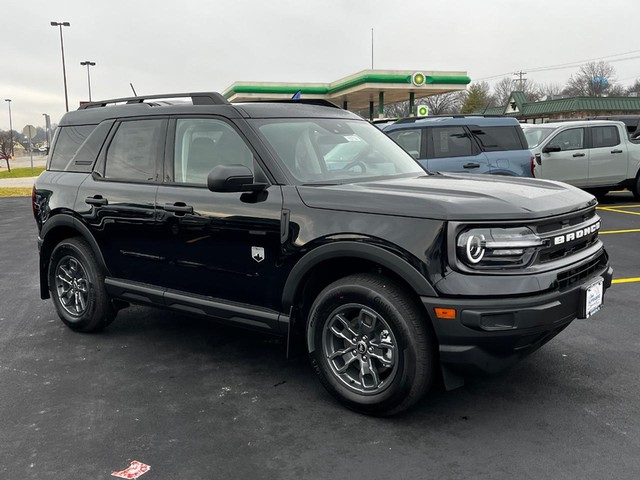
(631, 230)
(604, 207)
(626, 280)
(609, 209)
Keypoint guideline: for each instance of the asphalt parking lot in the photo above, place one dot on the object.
(195, 400)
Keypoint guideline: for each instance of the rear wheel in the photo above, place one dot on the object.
(371, 347)
(76, 283)
(636, 188)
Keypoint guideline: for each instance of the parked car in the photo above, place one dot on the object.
(596, 155)
(465, 143)
(308, 222)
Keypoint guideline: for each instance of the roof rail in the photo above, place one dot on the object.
(305, 101)
(471, 115)
(198, 98)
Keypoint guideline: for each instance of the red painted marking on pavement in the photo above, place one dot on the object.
(133, 471)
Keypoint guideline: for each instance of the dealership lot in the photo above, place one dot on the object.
(197, 400)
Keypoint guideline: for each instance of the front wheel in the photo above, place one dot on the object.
(371, 345)
(76, 283)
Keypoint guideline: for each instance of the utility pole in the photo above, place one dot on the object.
(8, 100)
(372, 49)
(521, 79)
(64, 70)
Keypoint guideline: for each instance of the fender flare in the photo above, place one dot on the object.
(68, 221)
(359, 250)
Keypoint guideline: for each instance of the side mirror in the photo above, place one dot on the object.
(233, 178)
(551, 149)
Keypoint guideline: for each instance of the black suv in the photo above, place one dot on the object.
(388, 276)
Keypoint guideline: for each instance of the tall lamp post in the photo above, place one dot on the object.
(64, 70)
(88, 64)
(8, 100)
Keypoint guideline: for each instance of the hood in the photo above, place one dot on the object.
(452, 197)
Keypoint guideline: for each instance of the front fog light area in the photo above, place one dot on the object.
(497, 247)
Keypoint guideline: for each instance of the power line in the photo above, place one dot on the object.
(568, 64)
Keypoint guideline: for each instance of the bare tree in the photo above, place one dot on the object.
(592, 80)
(634, 88)
(502, 91)
(548, 90)
(5, 147)
(445, 103)
(397, 110)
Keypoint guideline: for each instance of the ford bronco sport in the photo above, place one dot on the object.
(388, 276)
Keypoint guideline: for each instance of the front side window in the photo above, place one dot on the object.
(605, 136)
(204, 143)
(536, 135)
(325, 150)
(572, 139)
(409, 139)
(451, 142)
(134, 150)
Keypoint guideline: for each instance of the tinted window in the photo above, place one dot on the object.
(202, 144)
(494, 139)
(134, 150)
(68, 142)
(572, 139)
(604, 136)
(451, 142)
(409, 139)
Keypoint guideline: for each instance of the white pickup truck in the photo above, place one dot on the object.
(596, 155)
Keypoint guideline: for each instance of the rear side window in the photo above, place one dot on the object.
(450, 142)
(134, 151)
(604, 136)
(68, 142)
(497, 139)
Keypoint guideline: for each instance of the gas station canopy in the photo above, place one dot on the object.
(358, 91)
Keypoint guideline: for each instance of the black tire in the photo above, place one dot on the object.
(365, 326)
(76, 283)
(636, 188)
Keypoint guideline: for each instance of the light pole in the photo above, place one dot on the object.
(88, 64)
(64, 70)
(8, 100)
(47, 128)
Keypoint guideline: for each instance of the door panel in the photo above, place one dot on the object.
(571, 163)
(608, 157)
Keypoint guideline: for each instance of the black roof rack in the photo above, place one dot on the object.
(305, 101)
(198, 98)
(471, 115)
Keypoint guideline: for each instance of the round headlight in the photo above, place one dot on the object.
(475, 248)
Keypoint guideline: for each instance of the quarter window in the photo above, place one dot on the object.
(134, 150)
(202, 144)
(67, 143)
(605, 136)
(451, 142)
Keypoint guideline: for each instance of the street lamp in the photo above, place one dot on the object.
(47, 128)
(8, 100)
(88, 64)
(64, 70)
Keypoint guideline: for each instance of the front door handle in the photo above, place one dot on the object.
(178, 208)
(471, 165)
(96, 200)
(578, 155)
(616, 151)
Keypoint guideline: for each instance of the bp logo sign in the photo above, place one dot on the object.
(422, 110)
(418, 79)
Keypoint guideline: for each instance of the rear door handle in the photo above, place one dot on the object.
(178, 208)
(471, 165)
(96, 200)
(616, 151)
(578, 154)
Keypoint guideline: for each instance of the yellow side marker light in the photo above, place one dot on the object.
(445, 313)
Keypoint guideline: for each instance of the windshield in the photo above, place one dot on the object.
(327, 150)
(535, 135)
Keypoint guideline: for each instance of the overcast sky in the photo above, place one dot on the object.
(198, 45)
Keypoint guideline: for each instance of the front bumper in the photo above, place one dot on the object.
(489, 334)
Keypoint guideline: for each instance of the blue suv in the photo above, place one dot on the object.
(465, 143)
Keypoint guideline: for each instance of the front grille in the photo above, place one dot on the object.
(564, 228)
(569, 277)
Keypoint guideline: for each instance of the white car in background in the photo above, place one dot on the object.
(596, 155)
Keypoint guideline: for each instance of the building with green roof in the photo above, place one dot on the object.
(564, 108)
